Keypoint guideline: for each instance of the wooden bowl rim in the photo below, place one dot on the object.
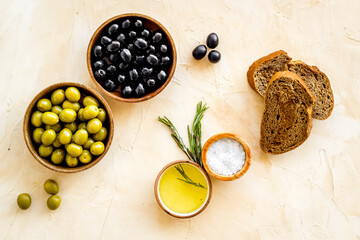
(157, 196)
(149, 95)
(238, 174)
(28, 135)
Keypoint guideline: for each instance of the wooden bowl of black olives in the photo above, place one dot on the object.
(68, 127)
(131, 57)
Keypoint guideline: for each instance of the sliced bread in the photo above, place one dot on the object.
(286, 121)
(318, 84)
(261, 71)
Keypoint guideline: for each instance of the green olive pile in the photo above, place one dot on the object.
(69, 126)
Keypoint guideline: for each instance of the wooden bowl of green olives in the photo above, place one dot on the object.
(68, 127)
(131, 57)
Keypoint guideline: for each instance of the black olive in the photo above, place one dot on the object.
(145, 72)
(138, 23)
(113, 29)
(212, 40)
(109, 85)
(99, 64)
(121, 38)
(98, 51)
(132, 34)
(165, 61)
(151, 82)
(157, 37)
(105, 40)
(214, 56)
(111, 70)
(163, 48)
(114, 57)
(125, 24)
(161, 75)
(123, 66)
(131, 47)
(133, 75)
(113, 46)
(139, 59)
(145, 33)
(151, 49)
(125, 55)
(100, 74)
(141, 43)
(121, 79)
(152, 59)
(126, 92)
(140, 90)
(199, 52)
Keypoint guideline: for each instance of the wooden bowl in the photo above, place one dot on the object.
(149, 23)
(165, 208)
(238, 174)
(28, 128)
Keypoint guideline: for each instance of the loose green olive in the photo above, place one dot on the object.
(58, 96)
(80, 114)
(97, 148)
(65, 136)
(90, 112)
(102, 115)
(57, 142)
(85, 157)
(82, 126)
(72, 126)
(24, 201)
(71, 161)
(58, 156)
(45, 151)
(89, 100)
(72, 105)
(48, 137)
(88, 143)
(72, 94)
(94, 126)
(36, 119)
(50, 118)
(56, 127)
(44, 105)
(51, 187)
(81, 136)
(67, 115)
(74, 150)
(37, 135)
(101, 135)
(56, 109)
(53, 202)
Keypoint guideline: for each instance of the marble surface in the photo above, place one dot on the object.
(312, 192)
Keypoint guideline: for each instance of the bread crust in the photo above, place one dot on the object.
(257, 63)
(309, 110)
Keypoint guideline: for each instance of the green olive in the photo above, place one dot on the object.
(90, 112)
(44, 105)
(58, 156)
(36, 119)
(85, 157)
(94, 126)
(45, 151)
(89, 100)
(56, 109)
(72, 126)
(72, 94)
(88, 143)
(50, 118)
(72, 105)
(82, 126)
(56, 127)
(58, 96)
(65, 136)
(48, 137)
(74, 150)
(101, 135)
(102, 115)
(57, 142)
(80, 114)
(97, 148)
(53, 202)
(51, 187)
(71, 161)
(37, 135)
(81, 136)
(24, 201)
(67, 115)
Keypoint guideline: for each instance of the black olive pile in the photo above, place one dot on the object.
(130, 58)
(200, 51)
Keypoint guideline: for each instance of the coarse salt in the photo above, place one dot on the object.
(225, 156)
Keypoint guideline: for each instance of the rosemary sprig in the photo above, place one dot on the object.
(188, 180)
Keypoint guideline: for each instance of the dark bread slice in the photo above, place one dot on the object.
(261, 71)
(318, 84)
(286, 121)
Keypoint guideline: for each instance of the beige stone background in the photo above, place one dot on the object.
(312, 192)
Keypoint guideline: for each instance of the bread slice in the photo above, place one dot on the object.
(318, 84)
(261, 71)
(286, 121)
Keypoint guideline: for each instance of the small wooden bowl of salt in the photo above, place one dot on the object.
(226, 156)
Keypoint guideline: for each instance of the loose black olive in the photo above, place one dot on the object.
(165, 61)
(199, 52)
(145, 72)
(121, 79)
(111, 70)
(109, 85)
(163, 48)
(121, 38)
(140, 90)
(214, 56)
(100, 74)
(114, 57)
(161, 75)
(212, 40)
(145, 33)
(139, 59)
(126, 92)
(105, 40)
(113, 29)
(133, 75)
(125, 24)
(152, 59)
(113, 46)
(125, 55)
(123, 66)
(132, 34)
(99, 64)
(138, 23)
(157, 37)
(141, 43)
(98, 51)
(151, 82)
